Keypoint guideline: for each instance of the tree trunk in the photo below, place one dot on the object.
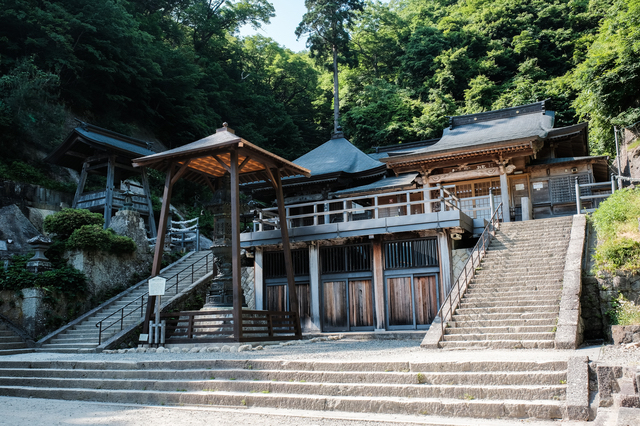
(336, 98)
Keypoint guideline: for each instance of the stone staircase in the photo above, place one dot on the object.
(10, 342)
(513, 300)
(475, 389)
(82, 336)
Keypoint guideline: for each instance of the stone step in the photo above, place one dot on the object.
(543, 322)
(481, 304)
(498, 336)
(75, 339)
(508, 296)
(499, 344)
(526, 255)
(554, 391)
(5, 332)
(474, 329)
(541, 409)
(15, 345)
(550, 315)
(18, 351)
(69, 345)
(509, 310)
(514, 285)
(10, 339)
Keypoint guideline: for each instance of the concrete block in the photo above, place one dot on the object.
(578, 388)
(567, 317)
(566, 337)
(433, 336)
(628, 417)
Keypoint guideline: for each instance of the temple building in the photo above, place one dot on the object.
(377, 239)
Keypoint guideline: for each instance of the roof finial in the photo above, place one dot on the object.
(225, 124)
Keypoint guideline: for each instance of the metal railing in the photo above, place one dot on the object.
(468, 271)
(141, 299)
(600, 186)
(364, 207)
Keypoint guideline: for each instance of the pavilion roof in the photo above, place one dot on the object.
(210, 158)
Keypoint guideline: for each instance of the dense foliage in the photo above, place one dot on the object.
(94, 238)
(176, 68)
(616, 224)
(623, 312)
(66, 221)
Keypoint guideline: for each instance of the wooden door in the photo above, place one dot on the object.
(335, 306)
(276, 300)
(399, 300)
(304, 302)
(360, 303)
(426, 299)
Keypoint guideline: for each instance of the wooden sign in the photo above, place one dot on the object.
(157, 286)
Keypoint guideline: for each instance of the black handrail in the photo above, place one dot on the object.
(468, 271)
(142, 297)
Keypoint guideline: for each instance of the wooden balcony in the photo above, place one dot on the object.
(95, 201)
(370, 215)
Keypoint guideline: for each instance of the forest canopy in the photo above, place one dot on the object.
(176, 69)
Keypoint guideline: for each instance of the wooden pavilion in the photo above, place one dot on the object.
(206, 161)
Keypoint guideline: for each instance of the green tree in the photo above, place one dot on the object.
(327, 23)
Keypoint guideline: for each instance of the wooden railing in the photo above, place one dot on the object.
(217, 326)
(97, 199)
(365, 207)
(117, 317)
(458, 289)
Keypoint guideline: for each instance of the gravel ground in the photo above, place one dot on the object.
(618, 355)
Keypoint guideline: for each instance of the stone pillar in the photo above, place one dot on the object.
(504, 190)
(33, 310)
(527, 209)
(314, 283)
(258, 277)
(445, 263)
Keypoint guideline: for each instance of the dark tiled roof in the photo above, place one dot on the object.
(396, 182)
(335, 156)
(113, 142)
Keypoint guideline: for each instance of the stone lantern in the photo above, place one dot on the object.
(39, 263)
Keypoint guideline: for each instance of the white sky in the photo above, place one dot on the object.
(283, 25)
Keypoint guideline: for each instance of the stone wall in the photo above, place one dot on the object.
(458, 259)
(33, 311)
(27, 195)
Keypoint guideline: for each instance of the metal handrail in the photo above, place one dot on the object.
(469, 270)
(141, 299)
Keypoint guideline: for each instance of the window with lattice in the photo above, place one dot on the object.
(563, 189)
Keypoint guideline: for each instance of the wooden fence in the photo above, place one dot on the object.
(217, 326)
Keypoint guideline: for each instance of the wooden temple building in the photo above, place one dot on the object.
(89, 149)
(373, 235)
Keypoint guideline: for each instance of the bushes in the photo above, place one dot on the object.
(65, 280)
(94, 238)
(616, 223)
(624, 312)
(82, 230)
(66, 221)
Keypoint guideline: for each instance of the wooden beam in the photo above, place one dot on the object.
(108, 202)
(183, 168)
(244, 162)
(223, 164)
(235, 247)
(209, 184)
(147, 192)
(159, 249)
(378, 284)
(81, 183)
(286, 246)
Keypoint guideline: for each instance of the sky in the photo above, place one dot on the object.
(283, 25)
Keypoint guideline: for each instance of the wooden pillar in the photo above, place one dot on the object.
(258, 277)
(235, 246)
(445, 263)
(504, 190)
(108, 201)
(147, 193)
(314, 283)
(378, 284)
(159, 249)
(81, 183)
(291, 284)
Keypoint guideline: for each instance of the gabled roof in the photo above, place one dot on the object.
(479, 131)
(211, 157)
(337, 156)
(86, 140)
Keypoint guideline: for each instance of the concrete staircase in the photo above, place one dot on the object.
(82, 336)
(11, 343)
(478, 389)
(514, 299)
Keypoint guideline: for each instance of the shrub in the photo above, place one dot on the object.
(624, 312)
(65, 280)
(616, 224)
(66, 221)
(94, 238)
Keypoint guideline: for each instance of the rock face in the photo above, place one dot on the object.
(15, 227)
(106, 271)
(247, 287)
